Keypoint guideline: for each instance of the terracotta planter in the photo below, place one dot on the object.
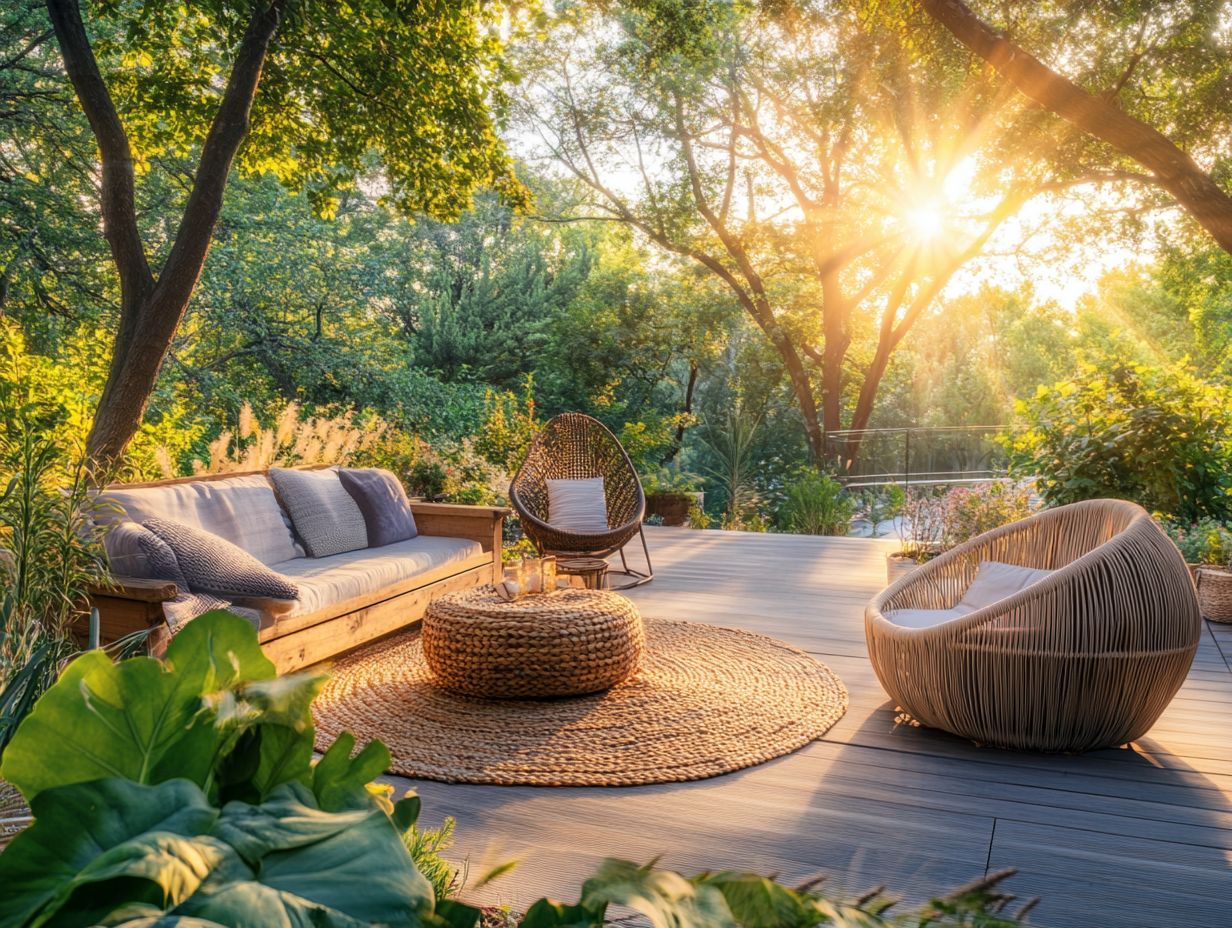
(672, 508)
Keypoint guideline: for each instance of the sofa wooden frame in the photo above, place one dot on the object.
(132, 605)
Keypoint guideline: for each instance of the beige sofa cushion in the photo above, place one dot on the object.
(243, 510)
(330, 581)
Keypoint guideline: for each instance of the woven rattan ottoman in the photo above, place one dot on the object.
(564, 643)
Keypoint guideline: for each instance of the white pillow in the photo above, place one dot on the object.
(995, 581)
(578, 505)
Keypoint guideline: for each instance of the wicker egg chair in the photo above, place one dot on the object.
(1087, 657)
(574, 446)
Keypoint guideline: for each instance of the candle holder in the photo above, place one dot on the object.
(512, 584)
(547, 573)
(532, 574)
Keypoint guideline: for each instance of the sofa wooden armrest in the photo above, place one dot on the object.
(483, 524)
(137, 589)
(127, 605)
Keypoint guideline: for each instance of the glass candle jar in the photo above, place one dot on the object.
(513, 574)
(532, 574)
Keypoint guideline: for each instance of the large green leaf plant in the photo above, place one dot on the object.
(182, 791)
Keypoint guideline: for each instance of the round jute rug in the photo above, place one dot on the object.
(705, 701)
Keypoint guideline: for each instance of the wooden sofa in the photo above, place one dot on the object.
(300, 640)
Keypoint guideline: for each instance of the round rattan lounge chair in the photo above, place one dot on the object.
(574, 446)
(1087, 657)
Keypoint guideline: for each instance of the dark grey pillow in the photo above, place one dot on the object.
(212, 564)
(380, 497)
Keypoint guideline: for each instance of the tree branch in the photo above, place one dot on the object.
(1173, 168)
(192, 240)
(117, 200)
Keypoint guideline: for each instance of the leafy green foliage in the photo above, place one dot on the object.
(1207, 541)
(113, 848)
(1158, 436)
(971, 511)
(184, 786)
(410, 82)
(182, 820)
(426, 845)
(745, 900)
(509, 426)
(198, 713)
(816, 504)
(50, 549)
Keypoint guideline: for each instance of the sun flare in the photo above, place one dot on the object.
(926, 221)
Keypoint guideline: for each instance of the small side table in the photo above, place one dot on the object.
(592, 570)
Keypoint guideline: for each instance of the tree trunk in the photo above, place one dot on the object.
(689, 390)
(1173, 169)
(151, 310)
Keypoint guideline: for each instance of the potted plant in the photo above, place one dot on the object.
(934, 522)
(1205, 543)
(921, 533)
(1206, 546)
(671, 493)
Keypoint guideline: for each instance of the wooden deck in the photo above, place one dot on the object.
(1139, 836)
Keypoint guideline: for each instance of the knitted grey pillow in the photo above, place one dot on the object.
(161, 562)
(213, 565)
(326, 517)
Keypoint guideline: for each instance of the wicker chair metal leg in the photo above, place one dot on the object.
(638, 577)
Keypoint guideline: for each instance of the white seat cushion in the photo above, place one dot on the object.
(578, 505)
(995, 581)
(923, 618)
(243, 510)
(329, 581)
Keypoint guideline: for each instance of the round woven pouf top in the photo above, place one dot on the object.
(565, 643)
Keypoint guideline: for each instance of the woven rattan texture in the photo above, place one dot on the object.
(1087, 658)
(705, 701)
(573, 446)
(559, 644)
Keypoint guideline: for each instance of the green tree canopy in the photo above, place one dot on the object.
(406, 93)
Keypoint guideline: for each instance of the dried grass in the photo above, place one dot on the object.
(290, 441)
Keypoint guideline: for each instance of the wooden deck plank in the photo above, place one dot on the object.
(1111, 837)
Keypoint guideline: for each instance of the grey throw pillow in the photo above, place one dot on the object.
(325, 516)
(133, 551)
(211, 564)
(380, 497)
(160, 559)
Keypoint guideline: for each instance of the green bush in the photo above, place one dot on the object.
(971, 511)
(1158, 436)
(1206, 541)
(188, 797)
(509, 426)
(814, 503)
(671, 479)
